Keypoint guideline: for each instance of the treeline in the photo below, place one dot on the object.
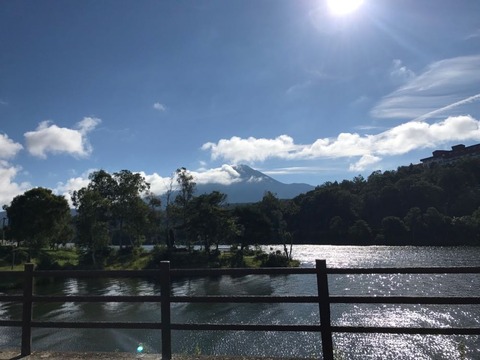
(414, 205)
(119, 209)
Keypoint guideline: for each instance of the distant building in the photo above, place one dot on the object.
(458, 152)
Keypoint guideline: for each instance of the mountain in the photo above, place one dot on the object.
(252, 185)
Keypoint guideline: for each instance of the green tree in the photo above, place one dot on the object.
(111, 207)
(92, 224)
(39, 218)
(360, 233)
(183, 201)
(129, 211)
(394, 230)
(254, 225)
(415, 224)
(210, 221)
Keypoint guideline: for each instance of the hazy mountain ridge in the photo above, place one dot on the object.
(252, 185)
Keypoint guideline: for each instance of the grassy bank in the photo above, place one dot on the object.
(12, 258)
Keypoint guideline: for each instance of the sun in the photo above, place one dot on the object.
(343, 7)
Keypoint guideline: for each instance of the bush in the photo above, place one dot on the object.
(158, 254)
(275, 260)
(46, 262)
(101, 256)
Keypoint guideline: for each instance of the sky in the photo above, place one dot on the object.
(299, 89)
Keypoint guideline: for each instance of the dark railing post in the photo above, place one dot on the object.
(27, 310)
(324, 308)
(165, 309)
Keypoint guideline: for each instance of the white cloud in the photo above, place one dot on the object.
(365, 162)
(160, 107)
(8, 148)
(49, 138)
(443, 83)
(88, 124)
(73, 184)
(396, 141)
(8, 188)
(296, 170)
(159, 185)
(252, 149)
(224, 175)
(3, 102)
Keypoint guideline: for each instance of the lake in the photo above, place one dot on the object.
(350, 346)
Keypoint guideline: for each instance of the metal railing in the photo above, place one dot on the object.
(165, 274)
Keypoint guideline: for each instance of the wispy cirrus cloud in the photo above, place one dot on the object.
(369, 148)
(400, 73)
(473, 35)
(443, 84)
(50, 138)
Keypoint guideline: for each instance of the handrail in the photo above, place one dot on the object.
(165, 276)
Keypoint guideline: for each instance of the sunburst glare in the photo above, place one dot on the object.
(343, 7)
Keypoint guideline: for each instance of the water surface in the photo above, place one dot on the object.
(349, 346)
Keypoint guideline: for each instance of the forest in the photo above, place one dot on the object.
(413, 205)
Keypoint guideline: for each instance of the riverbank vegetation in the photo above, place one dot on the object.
(414, 205)
(138, 258)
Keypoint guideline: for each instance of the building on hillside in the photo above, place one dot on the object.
(458, 152)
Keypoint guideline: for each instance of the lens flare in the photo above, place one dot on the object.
(140, 348)
(343, 7)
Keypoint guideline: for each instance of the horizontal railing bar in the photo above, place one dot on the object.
(240, 271)
(245, 271)
(12, 273)
(96, 273)
(11, 298)
(97, 298)
(97, 325)
(257, 299)
(173, 272)
(252, 299)
(244, 299)
(405, 300)
(416, 270)
(158, 326)
(407, 330)
(10, 323)
(246, 327)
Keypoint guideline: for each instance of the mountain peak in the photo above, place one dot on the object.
(252, 184)
(247, 174)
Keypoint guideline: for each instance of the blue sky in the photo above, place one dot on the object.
(289, 87)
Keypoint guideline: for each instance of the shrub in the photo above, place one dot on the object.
(275, 260)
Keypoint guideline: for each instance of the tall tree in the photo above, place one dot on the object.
(114, 203)
(183, 201)
(92, 223)
(210, 221)
(39, 218)
(129, 211)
